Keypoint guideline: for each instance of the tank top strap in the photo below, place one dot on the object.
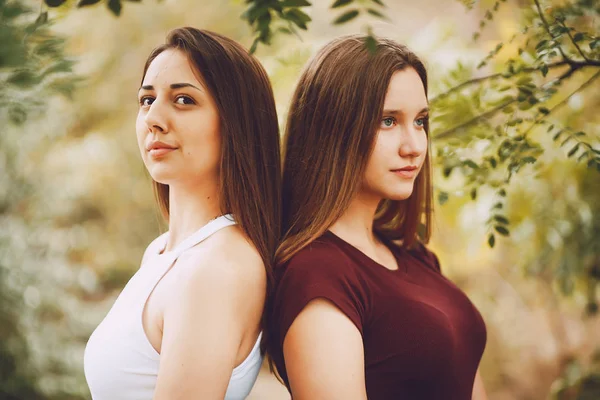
(211, 227)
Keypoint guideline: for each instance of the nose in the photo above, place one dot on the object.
(413, 143)
(156, 118)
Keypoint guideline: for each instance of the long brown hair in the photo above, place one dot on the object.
(250, 168)
(333, 120)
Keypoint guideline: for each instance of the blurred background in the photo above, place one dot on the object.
(515, 134)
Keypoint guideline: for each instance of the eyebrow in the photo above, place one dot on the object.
(400, 112)
(173, 86)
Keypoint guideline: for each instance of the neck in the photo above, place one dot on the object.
(355, 226)
(190, 208)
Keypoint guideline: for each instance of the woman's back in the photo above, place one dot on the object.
(120, 361)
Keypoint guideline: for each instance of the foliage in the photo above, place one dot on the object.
(33, 68)
(32, 62)
(494, 124)
(286, 16)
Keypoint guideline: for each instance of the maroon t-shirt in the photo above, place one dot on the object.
(422, 337)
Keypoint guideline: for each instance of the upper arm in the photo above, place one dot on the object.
(478, 388)
(203, 326)
(324, 355)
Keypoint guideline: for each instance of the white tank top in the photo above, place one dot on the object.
(119, 361)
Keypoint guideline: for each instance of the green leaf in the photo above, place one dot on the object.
(524, 80)
(371, 44)
(379, 2)
(39, 21)
(17, 115)
(54, 3)
(497, 206)
(442, 198)
(525, 105)
(376, 13)
(544, 110)
(298, 17)
(557, 135)
(493, 162)
(582, 156)
(473, 193)
(502, 192)
(83, 3)
(508, 110)
(115, 6)
(565, 141)
(541, 44)
(501, 219)
(301, 15)
(23, 78)
(253, 12)
(573, 150)
(544, 69)
(345, 17)
(471, 163)
(578, 37)
(502, 230)
(295, 3)
(529, 160)
(254, 46)
(42, 18)
(341, 3)
(580, 133)
(594, 44)
(525, 89)
(491, 240)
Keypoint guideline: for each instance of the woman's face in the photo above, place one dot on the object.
(400, 147)
(178, 123)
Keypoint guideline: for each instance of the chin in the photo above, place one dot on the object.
(398, 196)
(161, 175)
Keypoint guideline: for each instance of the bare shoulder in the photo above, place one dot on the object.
(225, 260)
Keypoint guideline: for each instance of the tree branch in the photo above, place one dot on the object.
(575, 43)
(474, 120)
(563, 101)
(492, 77)
(493, 111)
(547, 26)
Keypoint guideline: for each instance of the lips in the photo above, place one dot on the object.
(156, 145)
(409, 171)
(159, 149)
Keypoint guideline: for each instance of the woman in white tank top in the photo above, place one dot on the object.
(188, 324)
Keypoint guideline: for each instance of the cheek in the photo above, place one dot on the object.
(140, 131)
(425, 145)
(203, 144)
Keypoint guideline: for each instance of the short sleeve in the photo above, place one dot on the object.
(316, 272)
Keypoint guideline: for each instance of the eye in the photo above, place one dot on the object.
(146, 101)
(388, 122)
(420, 122)
(184, 100)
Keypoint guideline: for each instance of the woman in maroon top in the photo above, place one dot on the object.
(361, 309)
